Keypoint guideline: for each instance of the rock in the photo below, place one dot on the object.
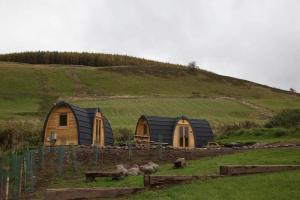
(155, 166)
(179, 163)
(122, 169)
(134, 171)
(149, 168)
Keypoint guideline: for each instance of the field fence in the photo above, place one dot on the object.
(25, 172)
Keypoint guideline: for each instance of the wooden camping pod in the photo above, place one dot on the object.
(178, 132)
(67, 124)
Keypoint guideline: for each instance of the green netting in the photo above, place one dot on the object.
(72, 158)
(96, 155)
(3, 179)
(15, 177)
(129, 143)
(29, 169)
(160, 147)
(41, 156)
(61, 160)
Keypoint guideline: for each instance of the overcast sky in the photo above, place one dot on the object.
(257, 40)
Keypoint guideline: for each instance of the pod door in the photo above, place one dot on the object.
(183, 135)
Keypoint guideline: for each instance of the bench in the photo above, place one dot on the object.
(91, 175)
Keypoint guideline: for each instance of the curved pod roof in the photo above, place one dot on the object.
(164, 127)
(84, 120)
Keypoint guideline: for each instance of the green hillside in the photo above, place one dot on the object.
(125, 92)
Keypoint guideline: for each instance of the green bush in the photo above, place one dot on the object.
(236, 128)
(121, 135)
(18, 135)
(287, 119)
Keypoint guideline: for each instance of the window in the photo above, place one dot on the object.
(186, 132)
(97, 131)
(145, 129)
(63, 120)
(181, 136)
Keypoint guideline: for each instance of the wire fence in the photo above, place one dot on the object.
(23, 172)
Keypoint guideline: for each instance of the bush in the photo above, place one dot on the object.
(287, 119)
(122, 135)
(236, 128)
(18, 135)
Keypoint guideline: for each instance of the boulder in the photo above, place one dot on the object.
(134, 171)
(149, 168)
(179, 163)
(122, 169)
(155, 166)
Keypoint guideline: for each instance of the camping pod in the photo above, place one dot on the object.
(178, 132)
(67, 124)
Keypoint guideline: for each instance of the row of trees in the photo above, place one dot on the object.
(75, 58)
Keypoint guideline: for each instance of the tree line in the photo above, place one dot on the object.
(76, 58)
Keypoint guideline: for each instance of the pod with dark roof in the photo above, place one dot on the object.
(180, 132)
(67, 124)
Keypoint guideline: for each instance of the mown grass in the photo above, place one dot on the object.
(275, 186)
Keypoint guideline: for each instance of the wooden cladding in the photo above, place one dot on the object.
(61, 127)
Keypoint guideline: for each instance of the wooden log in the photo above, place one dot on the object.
(151, 181)
(88, 193)
(91, 175)
(252, 169)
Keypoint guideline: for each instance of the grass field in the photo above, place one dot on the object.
(124, 93)
(277, 185)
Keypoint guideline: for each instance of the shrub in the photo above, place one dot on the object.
(236, 128)
(287, 119)
(17, 135)
(122, 135)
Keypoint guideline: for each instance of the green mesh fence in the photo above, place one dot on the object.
(41, 156)
(129, 143)
(15, 177)
(61, 160)
(29, 170)
(72, 158)
(95, 155)
(3, 181)
(160, 147)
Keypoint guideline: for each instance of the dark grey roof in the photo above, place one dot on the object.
(84, 119)
(164, 127)
(203, 132)
(160, 127)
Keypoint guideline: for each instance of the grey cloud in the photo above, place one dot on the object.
(257, 40)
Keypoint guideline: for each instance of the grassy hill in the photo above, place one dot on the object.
(124, 92)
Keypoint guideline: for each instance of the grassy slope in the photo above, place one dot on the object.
(27, 91)
(287, 183)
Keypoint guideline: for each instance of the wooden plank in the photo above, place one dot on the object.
(152, 181)
(251, 169)
(88, 193)
(91, 175)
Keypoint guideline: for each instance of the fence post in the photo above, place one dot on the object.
(160, 147)
(129, 144)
